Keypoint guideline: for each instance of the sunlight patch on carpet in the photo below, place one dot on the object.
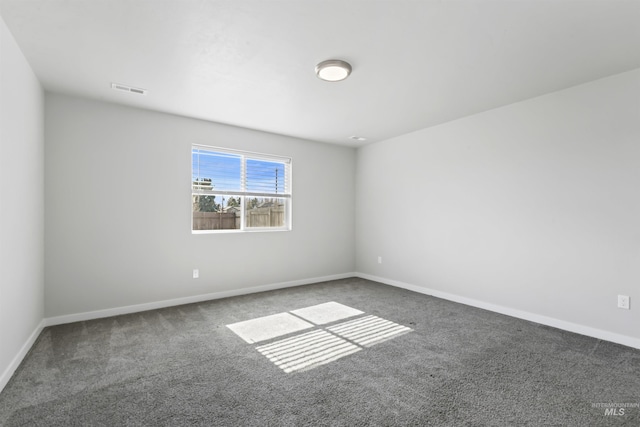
(321, 345)
(369, 330)
(328, 312)
(268, 327)
(307, 351)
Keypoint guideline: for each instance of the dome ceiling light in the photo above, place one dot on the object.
(333, 70)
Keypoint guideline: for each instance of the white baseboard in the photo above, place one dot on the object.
(79, 317)
(6, 375)
(544, 320)
(525, 315)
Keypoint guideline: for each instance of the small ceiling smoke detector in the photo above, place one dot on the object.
(357, 138)
(333, 70)
(125, 88)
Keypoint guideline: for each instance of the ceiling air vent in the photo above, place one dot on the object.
(125, 88)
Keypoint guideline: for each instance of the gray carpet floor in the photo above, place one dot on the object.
(456, 366)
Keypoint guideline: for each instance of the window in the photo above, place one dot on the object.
(235, 190)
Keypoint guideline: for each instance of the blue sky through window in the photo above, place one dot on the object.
(265, 177)
(225, 172)
(221, 168)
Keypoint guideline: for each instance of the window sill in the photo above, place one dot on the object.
(255, 230)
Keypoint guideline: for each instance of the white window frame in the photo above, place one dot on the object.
(243, 193)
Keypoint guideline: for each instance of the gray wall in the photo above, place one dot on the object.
(118, 205)
(533, 206)
(21, 203)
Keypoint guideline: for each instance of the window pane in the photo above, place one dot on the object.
(216, 212)
(266, 176)
(266, 212)
(215, 171)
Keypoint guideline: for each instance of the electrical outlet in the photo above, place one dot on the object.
(196, 273)
(379, 260)
(623, 301)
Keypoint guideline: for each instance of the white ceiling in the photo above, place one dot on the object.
(251, 63)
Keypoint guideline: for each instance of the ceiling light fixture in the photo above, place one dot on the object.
(333, 70)
(357, 138)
